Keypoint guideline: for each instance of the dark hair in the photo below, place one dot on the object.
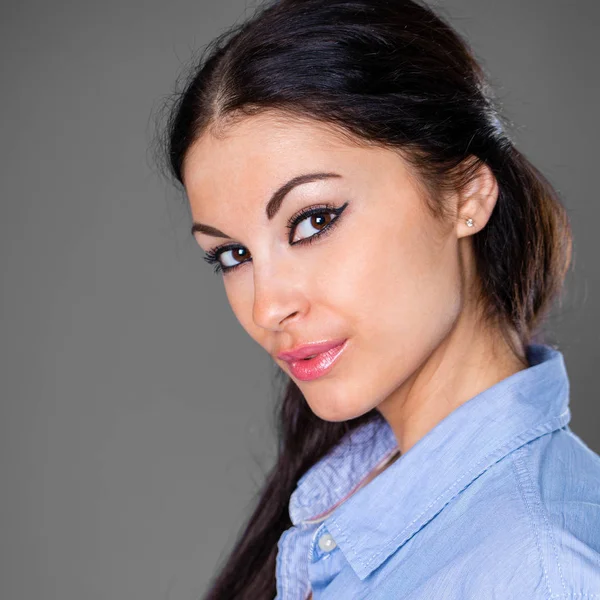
(396, 74)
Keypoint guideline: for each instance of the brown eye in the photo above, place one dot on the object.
(317, 221)
(320, 221)
(318, 218)
(238, 256)
(227, 258)
(241, 253)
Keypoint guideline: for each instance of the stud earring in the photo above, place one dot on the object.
(469, 222)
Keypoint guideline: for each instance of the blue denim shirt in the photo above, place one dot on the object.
(500, 500)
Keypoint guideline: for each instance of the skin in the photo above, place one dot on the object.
(396, 281)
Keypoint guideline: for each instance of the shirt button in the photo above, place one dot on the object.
(327, 543)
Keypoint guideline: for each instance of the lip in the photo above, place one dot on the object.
(301, 352)
(327, 354)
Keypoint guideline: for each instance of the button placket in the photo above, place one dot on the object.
(323, 544)
(327, 543)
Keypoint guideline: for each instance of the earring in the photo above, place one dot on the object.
(469, 222)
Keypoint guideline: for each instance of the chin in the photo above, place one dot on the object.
(335, 412)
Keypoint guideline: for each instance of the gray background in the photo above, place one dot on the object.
(135, 409)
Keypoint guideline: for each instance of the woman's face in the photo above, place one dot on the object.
(383, 274)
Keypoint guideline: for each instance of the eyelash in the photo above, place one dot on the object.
(212, 256)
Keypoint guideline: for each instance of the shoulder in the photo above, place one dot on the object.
(564, 475)
(543, 513)
(528, 526)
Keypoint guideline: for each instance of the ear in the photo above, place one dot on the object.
(477, 201)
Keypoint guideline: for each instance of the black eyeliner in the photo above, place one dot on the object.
(308, 212)
(212, 256)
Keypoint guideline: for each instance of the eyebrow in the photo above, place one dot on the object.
(274, 203)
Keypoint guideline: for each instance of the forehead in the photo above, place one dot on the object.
(236, 169)
(265, 144)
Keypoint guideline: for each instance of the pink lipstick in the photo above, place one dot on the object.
(324, 356)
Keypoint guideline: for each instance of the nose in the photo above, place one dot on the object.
(279, 296)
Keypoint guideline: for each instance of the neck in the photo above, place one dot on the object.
(468, 361)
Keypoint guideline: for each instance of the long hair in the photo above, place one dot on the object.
(396, 74)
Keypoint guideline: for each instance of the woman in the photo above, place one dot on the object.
(383, 240)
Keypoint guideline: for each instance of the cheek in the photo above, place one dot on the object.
(394, 289)
(399, 287)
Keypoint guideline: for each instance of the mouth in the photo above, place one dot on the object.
(316, 365)
(309, 350)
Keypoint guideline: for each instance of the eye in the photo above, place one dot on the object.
(230, 262)
(308, 221)
(314, 218)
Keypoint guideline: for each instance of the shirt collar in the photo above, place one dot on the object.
(335, 477)
(409, 493)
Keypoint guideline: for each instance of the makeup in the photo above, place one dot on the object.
(313, 368)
